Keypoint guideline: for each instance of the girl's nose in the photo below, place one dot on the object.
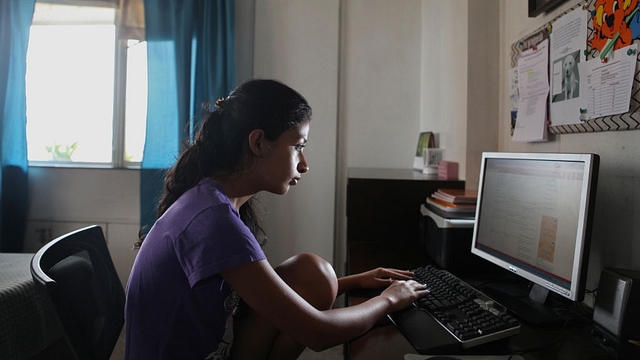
(303, 167)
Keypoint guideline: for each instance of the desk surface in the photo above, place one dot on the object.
(27, 321)
(385, 341)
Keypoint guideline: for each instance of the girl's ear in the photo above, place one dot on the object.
(258, 144)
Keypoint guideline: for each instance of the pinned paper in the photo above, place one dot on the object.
(608, 85)
(533, 88)
(568, 45)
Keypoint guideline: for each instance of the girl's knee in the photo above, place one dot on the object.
(311, 277)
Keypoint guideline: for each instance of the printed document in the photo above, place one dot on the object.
(533, 88)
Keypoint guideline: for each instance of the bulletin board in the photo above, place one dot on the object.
(625, 121)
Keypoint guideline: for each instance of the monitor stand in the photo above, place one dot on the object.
(526, 303)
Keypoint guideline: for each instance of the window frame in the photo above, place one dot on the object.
(118, 120)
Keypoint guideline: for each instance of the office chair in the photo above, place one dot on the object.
(76, 272)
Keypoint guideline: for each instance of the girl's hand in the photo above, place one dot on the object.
(402, 293)
(382, 277)
(379, 278)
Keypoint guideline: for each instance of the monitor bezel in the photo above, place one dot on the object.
(576, 290)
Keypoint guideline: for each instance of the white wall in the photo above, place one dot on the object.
(616, 232)
(444, 65)
(64, 199)
(483, 84)
(296, 42)
(380, 82)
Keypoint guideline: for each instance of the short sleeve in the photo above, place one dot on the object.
(215, 240)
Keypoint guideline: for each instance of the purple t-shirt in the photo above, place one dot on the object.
(178, 306)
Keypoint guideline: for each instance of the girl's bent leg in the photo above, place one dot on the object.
(314, 279)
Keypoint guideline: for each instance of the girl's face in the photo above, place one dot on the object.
(283, 162)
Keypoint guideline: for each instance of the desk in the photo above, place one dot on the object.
(28, 324)
(384, 342)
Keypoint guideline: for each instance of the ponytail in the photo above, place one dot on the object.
(220, 146)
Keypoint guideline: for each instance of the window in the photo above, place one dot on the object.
(86, 89)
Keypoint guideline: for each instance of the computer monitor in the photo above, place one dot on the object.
(533, 217)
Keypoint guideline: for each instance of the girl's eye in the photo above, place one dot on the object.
(300, 147)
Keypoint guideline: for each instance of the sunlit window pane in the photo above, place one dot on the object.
(78, 105)
(136, 101)
(70, 85)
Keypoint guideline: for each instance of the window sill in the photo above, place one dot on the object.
(78, 165)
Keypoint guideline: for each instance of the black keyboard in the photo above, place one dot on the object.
(466, 313)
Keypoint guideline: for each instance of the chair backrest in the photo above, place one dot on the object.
(76, 272)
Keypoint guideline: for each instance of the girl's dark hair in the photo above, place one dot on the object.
(220, 146)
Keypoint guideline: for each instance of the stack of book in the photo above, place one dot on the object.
(454, 200)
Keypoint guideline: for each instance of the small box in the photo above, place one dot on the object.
(448, 170)
(447, 240)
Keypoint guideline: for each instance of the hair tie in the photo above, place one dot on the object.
(219, 103)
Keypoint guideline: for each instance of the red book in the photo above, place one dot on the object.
(457, 196)
(450, 207)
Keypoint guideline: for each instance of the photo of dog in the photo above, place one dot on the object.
(570, 82)
(566, 77)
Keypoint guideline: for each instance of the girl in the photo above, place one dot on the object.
(201, 282)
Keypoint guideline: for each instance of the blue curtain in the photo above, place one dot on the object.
(190, 52)
(15, 22)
